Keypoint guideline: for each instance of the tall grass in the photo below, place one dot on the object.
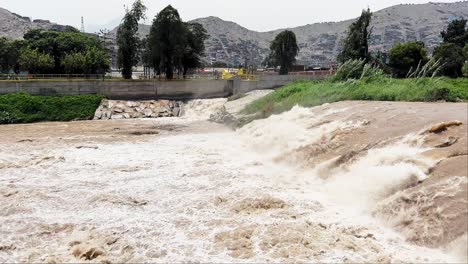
(357, 70)
(430, 69)
(313, 93)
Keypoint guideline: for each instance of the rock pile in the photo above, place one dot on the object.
(110, 109)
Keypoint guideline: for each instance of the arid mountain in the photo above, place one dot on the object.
(319, 43)
(15, 26)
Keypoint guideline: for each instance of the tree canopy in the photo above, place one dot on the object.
(406, 56)
(35, 61)
(356, 44)
(456, 33)
(39, 46)
(127, 39)
(9, 54)
(194, 46)
(452, 59)
(283, 51)
(451, 52)
(174, 45)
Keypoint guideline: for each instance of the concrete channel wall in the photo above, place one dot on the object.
(140, 90)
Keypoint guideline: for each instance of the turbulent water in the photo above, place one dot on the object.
(199, 192)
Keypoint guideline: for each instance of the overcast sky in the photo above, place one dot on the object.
(260, 15)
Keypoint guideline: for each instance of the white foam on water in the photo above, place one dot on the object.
(201, 109)
(171, 198)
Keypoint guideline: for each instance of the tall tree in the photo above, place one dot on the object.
(167, 42)
(456, 33)
(356, 44)
(407, 56)
(452, 59)
(74, 63)
(194, 47)
(59, 45)
(127, 39)
(465, 66)
(283, 51)
(9, 54)
(35, 61)
(450, 53)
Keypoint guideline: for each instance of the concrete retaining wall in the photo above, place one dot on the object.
(137, 90)
(270, 82)
(141, 90)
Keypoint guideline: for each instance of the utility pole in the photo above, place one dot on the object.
(82, 25)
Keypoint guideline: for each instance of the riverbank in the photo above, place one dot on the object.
(25, 108)
(307, 94)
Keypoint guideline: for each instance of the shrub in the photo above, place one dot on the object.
(8, 118)
(438, 94)
(25, 108)
(452, 59)
(407, 56)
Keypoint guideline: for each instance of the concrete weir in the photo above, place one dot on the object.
(151, 89)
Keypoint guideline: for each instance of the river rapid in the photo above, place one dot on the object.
(347, 182)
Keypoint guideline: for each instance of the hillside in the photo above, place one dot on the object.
(319, 43)
(15, 26)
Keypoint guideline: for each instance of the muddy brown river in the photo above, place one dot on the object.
(344, 182)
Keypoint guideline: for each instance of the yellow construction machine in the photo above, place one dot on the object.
(242, 73)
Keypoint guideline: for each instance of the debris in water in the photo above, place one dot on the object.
(439, 128)
(143, 133)
(25, 140)
(449, 142)
(250, 205)
(87, 147)
(119, 199)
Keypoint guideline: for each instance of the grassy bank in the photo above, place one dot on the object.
(313, 93)
(25, 108)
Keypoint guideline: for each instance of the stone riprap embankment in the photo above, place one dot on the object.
(111, 109)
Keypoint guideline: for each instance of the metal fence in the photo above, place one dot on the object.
(53, 76)
(210, 76)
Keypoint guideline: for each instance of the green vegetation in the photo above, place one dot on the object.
(127, 39)
(456, 33)
(48, 52)
(313, 93)
(356, 44)
(283, 51)
(430, 69)
(452, 59)
(407, 56)
(356, 70)
(9, 54)
(196, 35)
(25, 108)
(173, 45)
(35, 61)
(409, 59)
(452, 53)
